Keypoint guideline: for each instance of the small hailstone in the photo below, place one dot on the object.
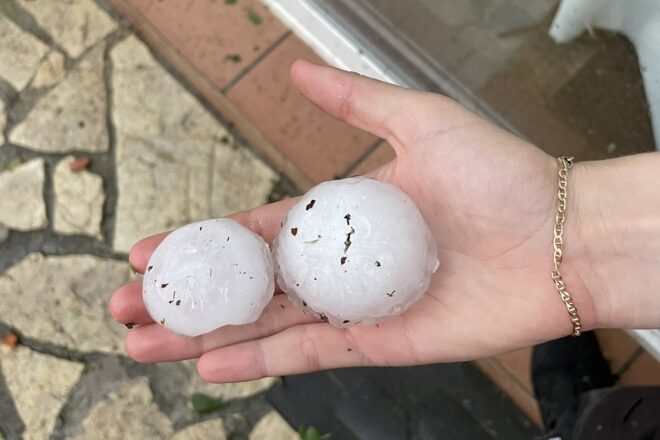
(208, 274)
(355, 251)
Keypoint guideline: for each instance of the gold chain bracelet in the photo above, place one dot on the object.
(558, 243)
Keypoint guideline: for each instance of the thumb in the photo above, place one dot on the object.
(399, 115)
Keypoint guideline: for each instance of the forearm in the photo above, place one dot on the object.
(615, 239)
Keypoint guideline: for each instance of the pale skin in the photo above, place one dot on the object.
(490, 200)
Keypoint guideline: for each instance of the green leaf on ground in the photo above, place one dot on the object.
(204, 404)
(14, 163)
(230, 2)
(234, 58)
(309, 433)
(254, 17)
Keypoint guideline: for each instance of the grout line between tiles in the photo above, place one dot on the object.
(492, 367)
(631, 360)
(231, 83)
(362, 158)
(513, 378)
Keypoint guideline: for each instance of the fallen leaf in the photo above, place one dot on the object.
(9, 339)
(254, 17)
(309, 433)
(79, 163)
(204, 404)
(14, 163)
(234, 58)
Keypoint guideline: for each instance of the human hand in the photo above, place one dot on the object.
(489, 199)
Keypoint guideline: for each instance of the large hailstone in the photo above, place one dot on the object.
(208, 274)
(355, 251)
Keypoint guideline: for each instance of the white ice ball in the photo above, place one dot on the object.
(208, 274)
(355, 251)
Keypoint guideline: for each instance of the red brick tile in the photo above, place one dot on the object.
(380, 156)
(644, 371)
(207, 31)
(517, 364)
(318, 144)
(510, 385)
(617, 347)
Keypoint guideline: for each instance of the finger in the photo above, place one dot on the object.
(153, 343)
(264, 220)
(391, 112)
(400, 340)
(141, 251)
(300, 349)
(126, 305)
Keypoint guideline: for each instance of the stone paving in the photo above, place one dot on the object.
(22, 205)
(101, 145)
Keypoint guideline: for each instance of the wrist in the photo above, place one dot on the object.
(612, 263)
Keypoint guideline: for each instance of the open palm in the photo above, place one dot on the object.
(489, 199)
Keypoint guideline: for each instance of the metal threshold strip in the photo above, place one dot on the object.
(352, 35)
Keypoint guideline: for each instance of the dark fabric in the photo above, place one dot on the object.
(618, 413)
(562, 370)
